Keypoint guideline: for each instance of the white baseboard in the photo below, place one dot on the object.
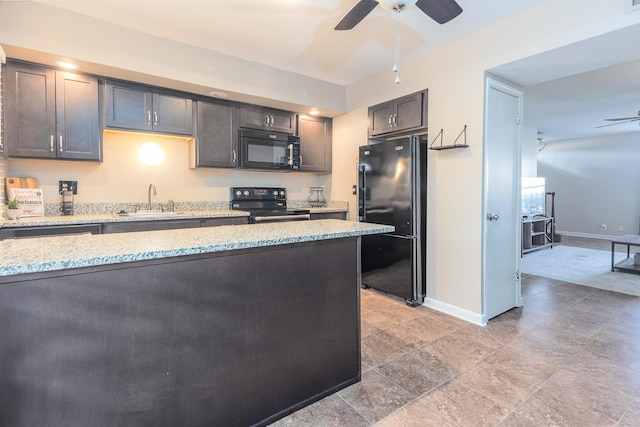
(454, 311)
(591, 236)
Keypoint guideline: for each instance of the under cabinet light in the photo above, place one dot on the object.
(151, 154)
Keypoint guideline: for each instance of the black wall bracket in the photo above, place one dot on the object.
(455, 144)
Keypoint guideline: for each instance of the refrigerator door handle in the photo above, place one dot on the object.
(362, 194)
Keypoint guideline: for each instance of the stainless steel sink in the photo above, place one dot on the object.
(149, 213)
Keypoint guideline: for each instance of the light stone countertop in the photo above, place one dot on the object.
(114, 217)
(19, 256)
(100, 218)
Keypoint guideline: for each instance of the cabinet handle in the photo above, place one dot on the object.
(61, 150)
(390, 119)
(395, 120)
(148, 117)
(234, 155)
(266, 120)
(272, 121)
(52, 149)
(155, 117)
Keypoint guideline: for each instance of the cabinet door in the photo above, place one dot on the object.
(329, 215)
(128, 106)
(282, 121)
(135, 226)
(255, 117)
(315, 143)
(216, 222)
(380, 118)
(409, 112)
(217, 139)
(77, 124)
(30, 111)
(172, 113)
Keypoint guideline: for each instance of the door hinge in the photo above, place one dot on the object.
(517, 275)
(518, 119)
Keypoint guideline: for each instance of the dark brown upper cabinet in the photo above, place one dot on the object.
(216, 139)
(256, 117)
(404, 115)
(138, 107)
(315, 143)
(51, 114)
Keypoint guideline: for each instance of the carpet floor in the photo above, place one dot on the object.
(589, 267)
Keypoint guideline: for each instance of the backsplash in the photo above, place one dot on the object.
(122, 178)
(55, 209)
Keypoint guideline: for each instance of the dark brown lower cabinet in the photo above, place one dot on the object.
(117, 227)
(127, 227)
(329, 215)
(233, 338)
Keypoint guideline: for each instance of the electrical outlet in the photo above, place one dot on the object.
(620, 228)
(68, 185)
(603, 227)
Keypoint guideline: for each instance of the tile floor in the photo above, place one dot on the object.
(570, 357)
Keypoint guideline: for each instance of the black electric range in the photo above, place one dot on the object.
(265, 204)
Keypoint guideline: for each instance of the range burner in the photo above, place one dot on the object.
(265, 204)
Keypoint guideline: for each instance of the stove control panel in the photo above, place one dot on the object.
(258, 193)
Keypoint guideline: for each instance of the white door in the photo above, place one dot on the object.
(501, 204)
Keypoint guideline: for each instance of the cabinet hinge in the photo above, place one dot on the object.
(517, 275)
(518, 119)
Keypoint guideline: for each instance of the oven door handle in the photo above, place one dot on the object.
(279, 217)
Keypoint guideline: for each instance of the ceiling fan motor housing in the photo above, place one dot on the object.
(395, 5)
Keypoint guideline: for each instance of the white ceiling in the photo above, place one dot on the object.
(297, 35)
(568, 91)
(574, 106)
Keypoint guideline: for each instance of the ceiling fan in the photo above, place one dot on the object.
(621, 120)
(441, 11)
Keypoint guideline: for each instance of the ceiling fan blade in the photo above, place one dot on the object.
(356, 14)
(441, 11)
(627, 120)
(622, 118)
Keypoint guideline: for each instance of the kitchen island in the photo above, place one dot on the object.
(231, 325)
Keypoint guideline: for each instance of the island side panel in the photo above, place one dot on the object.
(235, 338)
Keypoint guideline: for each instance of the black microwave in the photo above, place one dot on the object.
(259, 149)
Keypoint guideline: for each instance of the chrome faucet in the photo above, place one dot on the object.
(152, 186)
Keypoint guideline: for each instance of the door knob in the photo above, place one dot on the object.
(493, 217)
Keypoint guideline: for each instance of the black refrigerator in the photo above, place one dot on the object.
(392, 190)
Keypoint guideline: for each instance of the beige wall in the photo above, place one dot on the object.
(122, 178)
(3, 162)
(40, 27)
(454, 75)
